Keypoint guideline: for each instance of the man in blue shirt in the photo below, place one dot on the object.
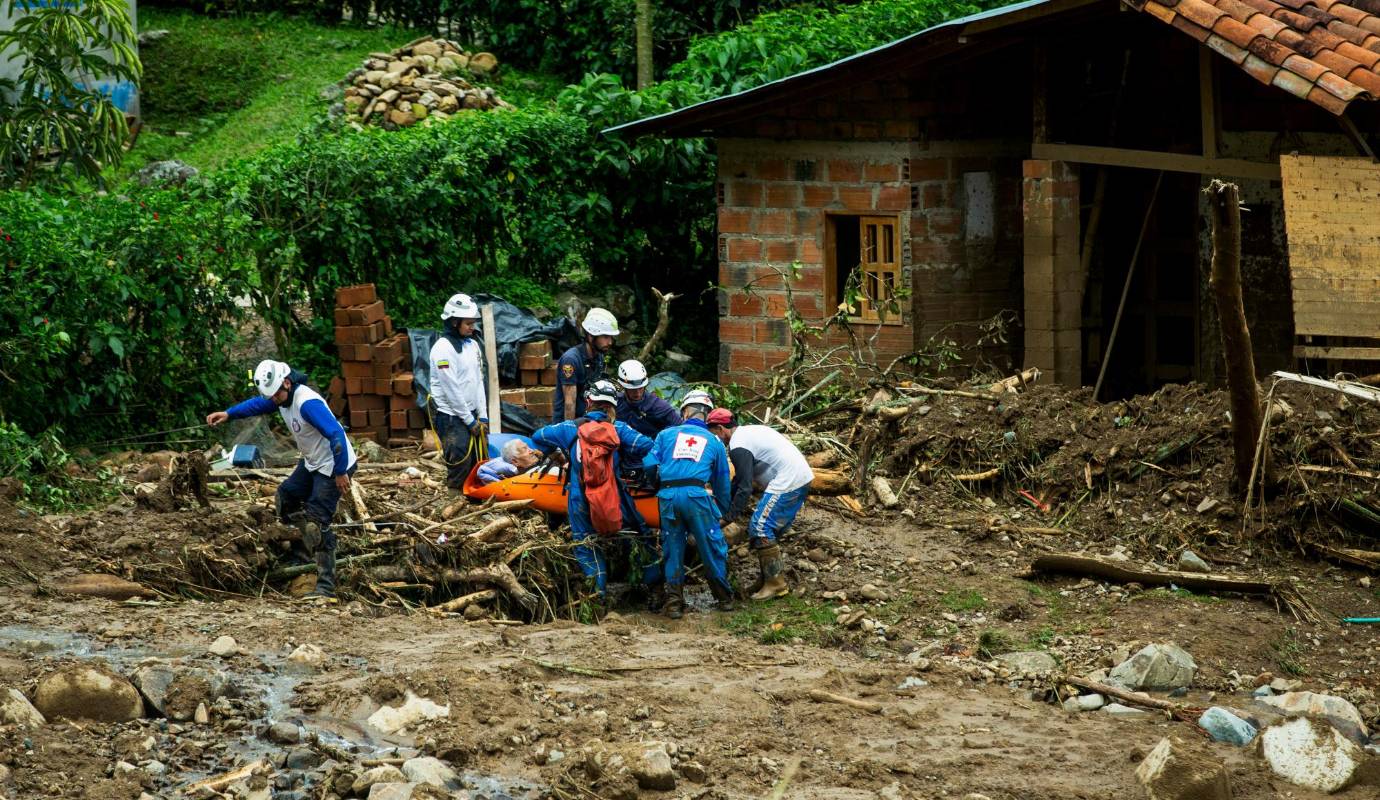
(310, 494)
(583, 364)
(688, 457)
(641, 409)
(602, 400)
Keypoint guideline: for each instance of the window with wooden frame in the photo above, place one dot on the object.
(864, 266)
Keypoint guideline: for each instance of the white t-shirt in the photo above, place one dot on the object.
(779, 465)
(457, 381)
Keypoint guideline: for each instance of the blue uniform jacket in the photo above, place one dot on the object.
(711, 467)
(564, 436)
(314, 412)
(649, 416)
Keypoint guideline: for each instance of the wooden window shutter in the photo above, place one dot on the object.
(880, 257)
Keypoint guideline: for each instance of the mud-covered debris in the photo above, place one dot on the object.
(88, 692)
(1175, 770)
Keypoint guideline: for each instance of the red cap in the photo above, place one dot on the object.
(720, 416)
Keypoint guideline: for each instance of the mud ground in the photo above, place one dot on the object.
(730, 690)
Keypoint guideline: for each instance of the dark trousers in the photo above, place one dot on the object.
(460, 458)
(315, 495)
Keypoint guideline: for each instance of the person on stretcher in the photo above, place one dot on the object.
(515, 459)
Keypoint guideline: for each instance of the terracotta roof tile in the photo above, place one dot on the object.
(1234, 32)
(1324, 51)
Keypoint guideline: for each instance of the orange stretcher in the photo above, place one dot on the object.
(546, 493)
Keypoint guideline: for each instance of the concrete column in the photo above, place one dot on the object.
(1053, 276)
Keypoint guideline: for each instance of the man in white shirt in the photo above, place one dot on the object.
(761, 456)
(458, 407)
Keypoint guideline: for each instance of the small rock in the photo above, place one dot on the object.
(1224, 726)
(88, 692)
(1156, 666)
(1174, 771)
(384, 774)
(391, 791)
(201, 716)
(283, 733)
(871, 592)
(225, 647)
(1128, 712)
(1311, 753)
(1190, 562)
(1207, 505)
(653, 769)
(555, 756)
(483, 63)
(155, 767)
(1031, 662)
(912, 682)
(414, 709)
(15, 709)
(1085, 702)
(430, 770)
(302, 758)
(694, 772)
(1364, 581)
(308, 655)
(1263, 691)
(817, 555)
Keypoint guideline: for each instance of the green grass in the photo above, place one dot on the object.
(783, 620)
(964, 600)
(219, 88)
(1289, 653)
(1163, 593)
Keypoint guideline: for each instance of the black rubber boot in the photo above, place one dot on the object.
(674, 606)
(325, 577)
(723, 595)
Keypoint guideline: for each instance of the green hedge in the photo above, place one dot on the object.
(118, 311)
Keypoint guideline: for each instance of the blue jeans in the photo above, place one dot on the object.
(591, 549)
(455, 448)
(314, 494)
(775, 513)
(686, 511)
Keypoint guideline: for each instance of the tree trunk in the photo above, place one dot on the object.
(1224, 201)
(644, 44)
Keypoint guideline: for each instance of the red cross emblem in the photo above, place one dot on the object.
(690, 441)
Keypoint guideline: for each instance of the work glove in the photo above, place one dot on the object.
(479, 429)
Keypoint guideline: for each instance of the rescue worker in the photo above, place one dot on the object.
(309, 496)
(583, 364)
(689, 458)
(641, 409)
(761, 456)
(459, 412)
(602, 402)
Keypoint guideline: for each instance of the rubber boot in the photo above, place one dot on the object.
(674, 606)
(325, 578)
(773, 584)
(723, 594)
(656, 597)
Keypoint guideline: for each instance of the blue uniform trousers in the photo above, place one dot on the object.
(592, 550)
(690, 511)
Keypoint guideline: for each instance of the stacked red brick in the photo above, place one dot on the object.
(537, 374)
(374, 395)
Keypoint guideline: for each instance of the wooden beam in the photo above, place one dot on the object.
(1151, 159)
(1207, 102)
(1339, 353)
(1039, 95)
(1354, 134)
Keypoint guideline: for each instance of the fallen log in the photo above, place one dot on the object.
(494, 530)
(221, 781)
(821, 696)
(831, 482)
(99, 585)
(500, 575)
(303, 569)
(974, 477)
(1015, 382)
(465, 601)
(1179, 712)
(1074, 564)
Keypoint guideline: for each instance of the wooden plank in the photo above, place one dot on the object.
(1150, 159)
(1340, 353)
(1207, 101)
(491, 368)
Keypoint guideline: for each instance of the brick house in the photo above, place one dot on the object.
(1043, 160)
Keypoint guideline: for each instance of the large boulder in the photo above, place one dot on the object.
(1310, 753)
(175, 691)
(15, 709)
(1030, 662)
(414, 709)
(1156, 666)
(1174, 770)
(89, 692)
(1339, 713)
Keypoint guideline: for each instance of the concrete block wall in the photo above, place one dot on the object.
(1053, 307)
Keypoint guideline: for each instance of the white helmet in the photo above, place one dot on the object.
(697, 397)
(602, 391)
(632, 375)
(460, 306)
(268, 376)
(600, 322)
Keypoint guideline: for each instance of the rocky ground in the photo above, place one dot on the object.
(921, 655)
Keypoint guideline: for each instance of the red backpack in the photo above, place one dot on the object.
(598, 443)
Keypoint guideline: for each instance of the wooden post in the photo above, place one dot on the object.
(1207, 103)
(1225, 205)
(491, 364)
(643, 24)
